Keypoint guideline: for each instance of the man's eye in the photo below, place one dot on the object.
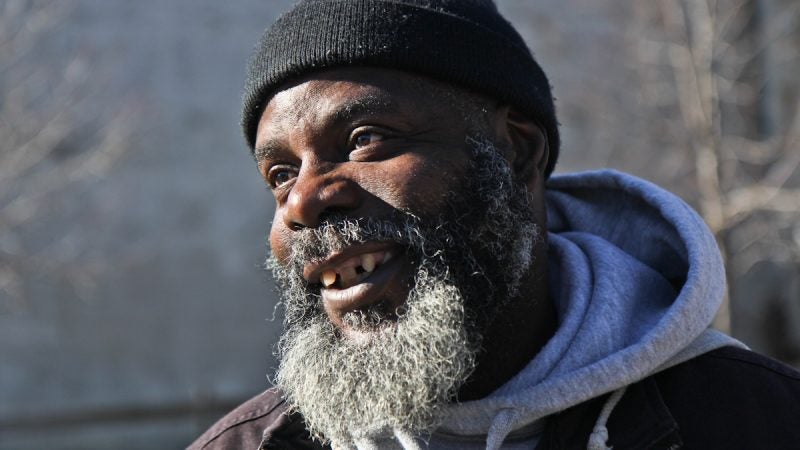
(280, 175)
(366, 138)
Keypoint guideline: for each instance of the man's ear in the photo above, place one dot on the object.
(529, 149)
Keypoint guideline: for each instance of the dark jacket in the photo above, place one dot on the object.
(726, 399)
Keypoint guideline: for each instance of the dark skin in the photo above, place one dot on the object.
(364, 142)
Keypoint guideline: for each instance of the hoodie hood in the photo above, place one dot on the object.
(636, 278)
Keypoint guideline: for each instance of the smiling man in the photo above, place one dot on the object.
(441, 290)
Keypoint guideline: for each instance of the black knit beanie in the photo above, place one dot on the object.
(462, 42)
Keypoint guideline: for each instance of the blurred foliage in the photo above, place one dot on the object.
(714, 80)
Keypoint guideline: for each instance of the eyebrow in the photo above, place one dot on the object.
(373, 103)
(351, 109)
(268, 150)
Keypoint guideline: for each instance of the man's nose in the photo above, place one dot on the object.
(317, 193)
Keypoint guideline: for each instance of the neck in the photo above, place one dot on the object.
(518, 333)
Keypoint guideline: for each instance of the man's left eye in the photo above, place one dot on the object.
(366, 138)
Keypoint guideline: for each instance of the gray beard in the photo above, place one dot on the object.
(469, 263)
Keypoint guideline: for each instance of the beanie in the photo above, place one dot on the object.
(462, 42)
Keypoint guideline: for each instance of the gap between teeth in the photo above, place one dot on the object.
(348, 275)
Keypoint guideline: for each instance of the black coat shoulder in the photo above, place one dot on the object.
(734, 398)
(729, 398)
(263, 418)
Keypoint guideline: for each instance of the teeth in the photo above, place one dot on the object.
(349, 276)
(347, 273)
(368, 262)
(362, 276)
(328, 278)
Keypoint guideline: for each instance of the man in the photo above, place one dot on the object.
(441, 291)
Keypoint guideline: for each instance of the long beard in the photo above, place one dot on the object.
(469, 263)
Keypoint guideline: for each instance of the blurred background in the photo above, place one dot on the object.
(133, 307)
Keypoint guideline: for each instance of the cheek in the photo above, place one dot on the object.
(418, 184)
(279, 239)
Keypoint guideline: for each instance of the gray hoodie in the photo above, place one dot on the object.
(636, 277)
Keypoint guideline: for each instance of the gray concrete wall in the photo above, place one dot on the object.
(173, 327)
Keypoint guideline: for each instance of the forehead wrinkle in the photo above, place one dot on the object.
(317, 108)
(372, 103)
(327, 101)
(344, 107)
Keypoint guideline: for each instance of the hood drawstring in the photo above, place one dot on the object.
(361, 444)
(406, 440)
(501, 425)
(599, 436)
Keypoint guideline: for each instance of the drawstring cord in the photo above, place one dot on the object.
(599, 436)
(365, 444)
(406, 439)
(501, 426)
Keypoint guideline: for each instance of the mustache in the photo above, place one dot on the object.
(337, 232)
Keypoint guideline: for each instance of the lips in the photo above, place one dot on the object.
(358, 277)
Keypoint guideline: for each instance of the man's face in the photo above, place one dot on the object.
(360, 143)
(398, 235)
